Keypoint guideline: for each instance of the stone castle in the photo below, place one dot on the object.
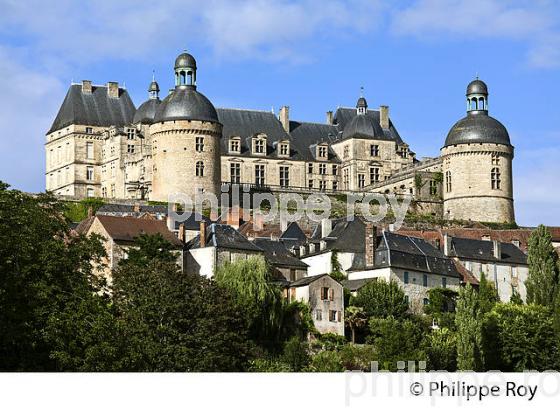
(100, 145)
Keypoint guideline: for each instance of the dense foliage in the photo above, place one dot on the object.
(381, 299)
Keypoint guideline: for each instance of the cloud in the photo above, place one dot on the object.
(528, 21)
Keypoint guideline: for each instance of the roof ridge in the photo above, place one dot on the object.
(246, 109)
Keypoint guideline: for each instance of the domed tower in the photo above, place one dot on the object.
(186, 136)
(477, 164)
(146, 113)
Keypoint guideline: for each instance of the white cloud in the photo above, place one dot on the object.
(528, 21)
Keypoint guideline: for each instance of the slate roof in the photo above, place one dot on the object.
(146, 113)
(226, 237)
(307, 135)
(345, 236)
(276, 254)
(128, 229)
(484, 251)
(186, 103)
(129, 209)
(407, 252)
(344, 115)
(95, 109)
(307, 280)
(293, 235)
(477, 127)
(354, 285)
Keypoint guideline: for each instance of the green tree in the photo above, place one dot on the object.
(381, 299)
(149, 248)
(326, 362)
(515, 297)
(355, 319)
(467, 322)
(487, 295)
(441, 306)
(542, 282)
(296, 354)
(336, 268)
(441, 350)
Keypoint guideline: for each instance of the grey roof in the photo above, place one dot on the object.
(345, 236)
(361, 103)
(344, 115)
(307, 280)
(293, 235)
(186, 103)
(127, 209)
(363, 126)
(192, 223)
(412, 253)
(225, 237)
(95, 109)
(277, 255)
(154, 86)
(356, 284)
(477, 87)
(147, 111)
(185, 60)
(477, 127)
(306, 136)
(484, 251)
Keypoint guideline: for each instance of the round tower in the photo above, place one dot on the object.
(477, 164)
(186, 135)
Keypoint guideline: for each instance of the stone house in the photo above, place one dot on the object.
(325, 298)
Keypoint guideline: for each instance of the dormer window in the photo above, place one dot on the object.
(235, 145)
(322, 152)
(130, 133)
(259, 145)
(284, 149)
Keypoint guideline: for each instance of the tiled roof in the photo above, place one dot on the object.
(307, 280)
(128, 229)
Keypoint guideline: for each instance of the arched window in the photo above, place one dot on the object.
(183, 78)
(189, 78)
(481, 104)
(448, 181)
(495, 177)
(199, 169)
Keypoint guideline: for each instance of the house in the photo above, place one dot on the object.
(503, 263)
(283, 263)
(413, 263)
(215, 245)
(325, 297)
(121, 232)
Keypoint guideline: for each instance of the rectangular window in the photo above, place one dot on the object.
(284, 149)
(496, 178)
(112, 190)
(346, 152)
(324, 293)
(322, 185)
(404, 153)
(448, 181)
(310, 168)
(331, 294)
(495, 159)
(130, 133)
(318, 315)
(346, 178)
(374, 150)
(130, 148)
(443, 282)
(373, 175)
(361, 180)
(425, 280)
(310, 184)
(235, 173)
(323, 169)
(332, 315)
(234, 146)
(335, 169)
(284, 177)
(322, 152)
(406, 278)
(259, 175)
(89, 130)
(259, 146)
(89, 173)
(433, 188)
(89, 150)
(199, 144)
(334, 185)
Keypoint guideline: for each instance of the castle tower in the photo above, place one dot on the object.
(477, 164)
(186, 136)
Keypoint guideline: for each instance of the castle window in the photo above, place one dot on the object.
(104, 192)
(310, 168)
(113, 168)
(130, 133)
(260, 145)
(284, 177)
(318, 315)
(334, 185)
(90, 193)
(199, 168)
(89, 173)
(345, 178)
(322, 185)
(404, 152)
(89, 130)
(89, 150)
(199, 144)
(495, 159)
(130, 149)
(405, 278)
(322, 152)
(495, 176)
(234, 145)
(323, 169)
(284, 149)
(433, 188)
(346, 154)
(112, 190)
(373, 175)
(425, 280)
(335, 169)
(374, 150)
(448, 185)
(235, 173)
(361, 180)
(259, 175)
(310, 184)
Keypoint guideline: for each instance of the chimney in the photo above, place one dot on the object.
(497, 248)
(258, 224)
(181, 235)
(283, 224)
(447, 244)
(384, 117)
(202, 234)
(302, 250)
(90, 212)
(170, 220)
(136, 207)
(86, 87)
(330, 118)
(326, 227)
(112, 89)
(391, 227)
(311, 247)
(285, 117)
(371, 244)
(233, 217)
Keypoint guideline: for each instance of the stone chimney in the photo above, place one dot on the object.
(326, 227)
(283, 224)
(447, 244)
(384, 117)
(86, 87)
(182, 237)
(258, 223)
(370, 244)
(136, 208)
(285, 117)
(202, 234)
(497, 249)
(112, 89)
(330, 118)
(302, 250)
(170, 220)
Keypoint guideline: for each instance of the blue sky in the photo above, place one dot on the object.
(417, 56)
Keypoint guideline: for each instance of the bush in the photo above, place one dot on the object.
(357, 357)
(326, 362)
(381, 299)
(441, 350)
(296, 355)
(268, 366)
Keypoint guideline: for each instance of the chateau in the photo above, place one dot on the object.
(100, 145)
